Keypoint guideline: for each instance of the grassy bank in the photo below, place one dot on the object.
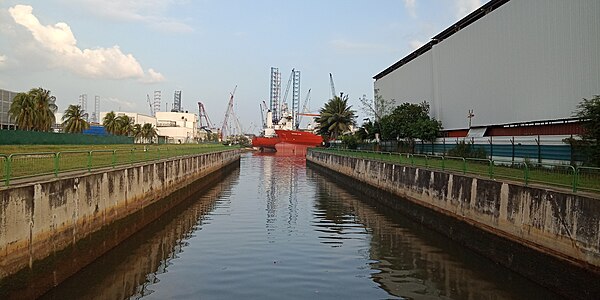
(24, 161)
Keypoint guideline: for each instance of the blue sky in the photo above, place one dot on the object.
(122, 50)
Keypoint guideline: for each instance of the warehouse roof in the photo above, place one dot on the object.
(462, 23)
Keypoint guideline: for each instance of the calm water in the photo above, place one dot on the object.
(276, 230)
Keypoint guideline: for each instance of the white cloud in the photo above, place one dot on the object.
(117, 104)
(411, 6)
(61, 46)
(153, 77)
(149, 12)
(2, 59)
(465, 7)
(415, 44)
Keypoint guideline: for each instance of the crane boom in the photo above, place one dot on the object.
(203, 114)
(150, 103)
(332, 85)
(304, 107)
(287, 89)
(228, 113)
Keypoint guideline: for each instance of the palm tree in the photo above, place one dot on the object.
(149, 132)
(74, 120)
(336, 117)
(124, 125)
(45, 107)
(137, 132)
(22, 110)
(110, 122)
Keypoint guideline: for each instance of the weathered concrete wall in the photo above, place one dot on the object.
(562, 225)
(39, 220)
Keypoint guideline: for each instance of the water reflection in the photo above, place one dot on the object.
(411, 261)
(279, 176)
(131, 268)
(274, 229)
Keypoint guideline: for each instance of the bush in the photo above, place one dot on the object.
(467, 150)
(350, 141)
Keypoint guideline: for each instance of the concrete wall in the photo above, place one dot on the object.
(561, 225)
(42, 219)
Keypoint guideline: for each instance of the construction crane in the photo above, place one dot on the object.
(285, 94)
(304, 108)
(202, 114)
(230, 114)
(332, 85)
(150, 103)
(263, 107)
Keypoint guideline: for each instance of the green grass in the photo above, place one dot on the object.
(35, 160)
(588, 179)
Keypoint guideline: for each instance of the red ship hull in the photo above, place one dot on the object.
(296, 137)
(299, 137)
(265, 142)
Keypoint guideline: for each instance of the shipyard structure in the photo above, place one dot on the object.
(512, 69)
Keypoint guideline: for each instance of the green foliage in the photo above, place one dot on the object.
(136, 132)
(34, 110)
(350, 141)
(148, 132)
(467, 150)
(368, 130)
(124, 125)
(73, 120)
(378, 108)
(335, 118)
(110, 123)
(589, 112)
(410, 121)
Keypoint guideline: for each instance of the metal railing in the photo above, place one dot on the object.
(575, 178)
(25, 165)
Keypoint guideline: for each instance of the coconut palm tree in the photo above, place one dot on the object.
(137, 132)
(22, 110)
(149, 132)
(110, 122)
(124, 125)
(74, 120)
(45, 107)
(336, 117)
(34, 110)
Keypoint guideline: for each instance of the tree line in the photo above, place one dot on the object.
(34, 111)
(409, 122)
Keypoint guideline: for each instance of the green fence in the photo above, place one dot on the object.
(20, 137)
(566, 176)
(25, 165)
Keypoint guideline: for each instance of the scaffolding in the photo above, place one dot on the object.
(296, 98)
(156, 104)
(96, 113)
(83, 105)
(275, 95)
(177, 102)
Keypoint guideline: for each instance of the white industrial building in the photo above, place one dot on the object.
(175, 127)
(178, 127)
(6, 98)
(510, 62)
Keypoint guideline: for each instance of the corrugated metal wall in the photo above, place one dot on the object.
(527, 60)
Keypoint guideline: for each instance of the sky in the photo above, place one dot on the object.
(124, 50)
